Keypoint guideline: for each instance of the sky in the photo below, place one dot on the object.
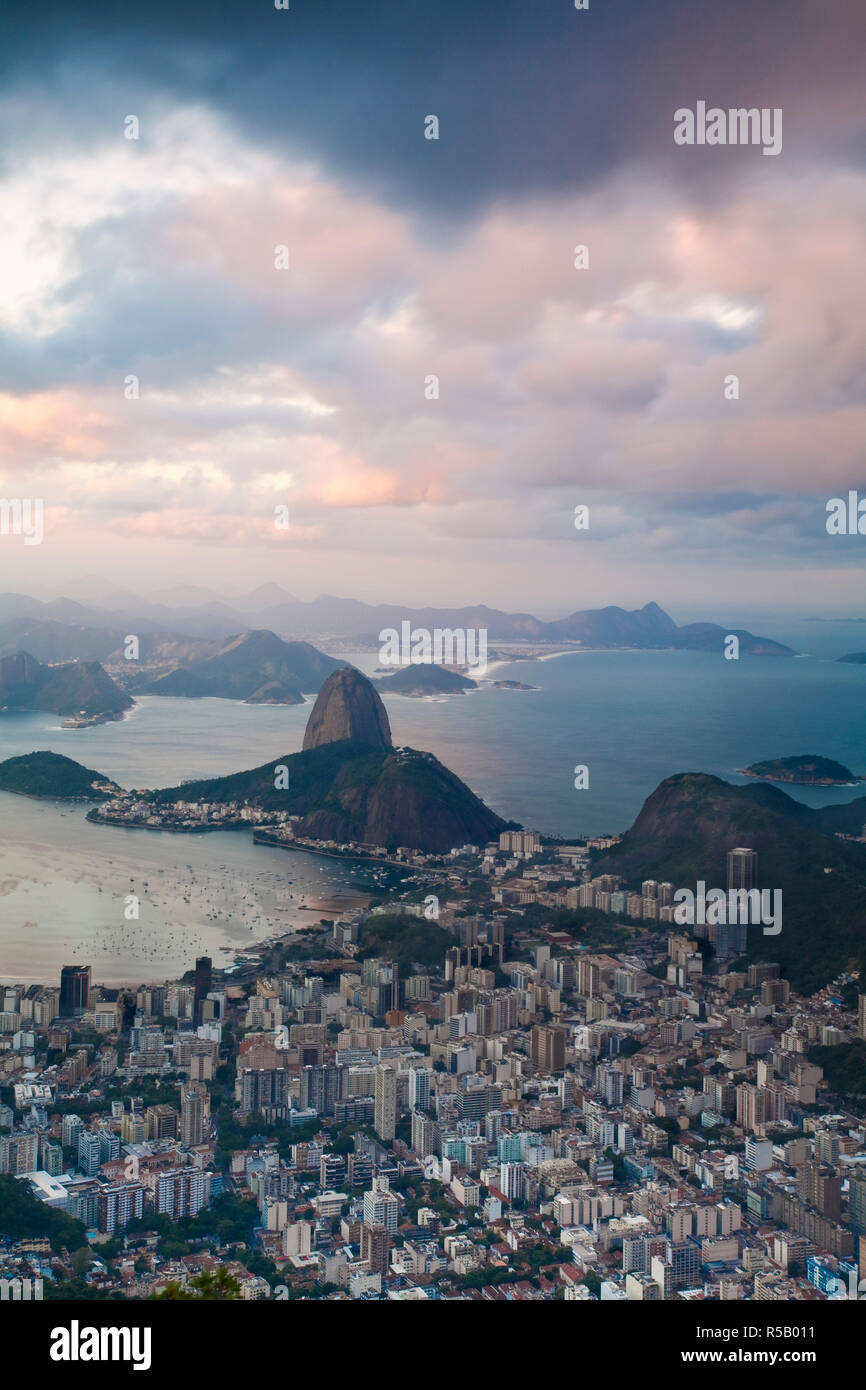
(303, 394)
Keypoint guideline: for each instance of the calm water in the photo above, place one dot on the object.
(633, 718)
(64, 885)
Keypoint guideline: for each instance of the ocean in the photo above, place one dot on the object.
(631, 718)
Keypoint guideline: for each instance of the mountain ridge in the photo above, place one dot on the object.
(68, 689)
(242, 666)
(686, 826)
(347, 619)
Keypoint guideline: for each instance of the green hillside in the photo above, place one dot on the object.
(53, 775)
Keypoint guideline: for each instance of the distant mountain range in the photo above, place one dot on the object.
(78, 687)
(348, 620)
(688, 824)
(51, 640)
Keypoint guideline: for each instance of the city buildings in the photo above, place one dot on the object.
(653, 1124)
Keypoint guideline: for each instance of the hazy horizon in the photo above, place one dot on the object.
(92, 591)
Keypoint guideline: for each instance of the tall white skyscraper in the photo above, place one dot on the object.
(382, 1206)
(512, 1181)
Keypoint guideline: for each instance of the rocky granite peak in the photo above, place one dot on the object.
(348, 707)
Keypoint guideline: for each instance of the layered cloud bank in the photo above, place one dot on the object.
(445, 388)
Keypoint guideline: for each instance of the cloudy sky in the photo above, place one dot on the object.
(262, 387)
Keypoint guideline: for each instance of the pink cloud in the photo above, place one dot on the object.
(60, 422)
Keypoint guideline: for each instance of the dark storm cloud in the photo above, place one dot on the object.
(531, 96)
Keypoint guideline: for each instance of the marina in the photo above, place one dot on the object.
(71, 889)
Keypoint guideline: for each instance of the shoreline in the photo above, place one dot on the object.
(62, 800)
(122, 824)
(259, 839)
(73, 721)
(795, 782)
(236, 957)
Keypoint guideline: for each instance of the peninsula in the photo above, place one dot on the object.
(51, 775)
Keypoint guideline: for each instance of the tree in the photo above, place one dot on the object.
(173, 1291)
(325, 1290)
(171, 1249)
(210, 1286)
(217, 1286)
(23, 1216)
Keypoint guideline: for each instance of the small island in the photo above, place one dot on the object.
(853, 659)
(807, 770)
(512, 685)
(51, 775)
(426, 678)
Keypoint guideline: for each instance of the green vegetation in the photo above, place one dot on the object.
(408, 941)
(152, 1091)
(689, 823)
(595, 929)
(233, 1135)
(229, 1218)
(212, 1285)
(346, 791)
(53, 775)
(23, 1216)
(418, 1193)
(260, 1265)
(844, 1066)
(77, 1291)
